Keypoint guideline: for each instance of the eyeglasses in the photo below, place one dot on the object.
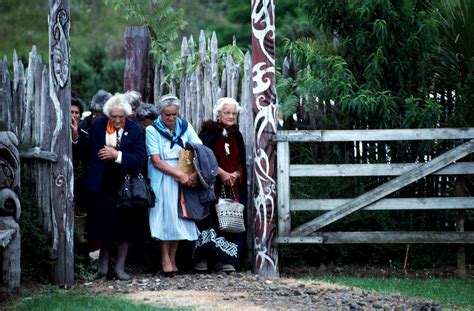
(117, 117)
(170, 114)
(228, 113)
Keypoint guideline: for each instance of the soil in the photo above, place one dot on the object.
(245, 290)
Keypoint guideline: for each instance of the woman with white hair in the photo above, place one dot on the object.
(165, 138)
(224, 138)
(114, 148)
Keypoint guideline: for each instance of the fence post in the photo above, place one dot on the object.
(137, 44)
(61, 171)
(264, 107)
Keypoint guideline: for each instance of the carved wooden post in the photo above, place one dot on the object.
(137, 44)
(10, 207)
(62, 178)
(264, 107)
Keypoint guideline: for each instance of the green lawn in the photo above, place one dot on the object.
(80, 300)
(459, 292)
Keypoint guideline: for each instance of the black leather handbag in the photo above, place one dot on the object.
(136, 193)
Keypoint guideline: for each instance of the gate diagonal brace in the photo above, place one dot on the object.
(383, 190)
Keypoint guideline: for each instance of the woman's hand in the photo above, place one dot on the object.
(227, 178)
(107, 153)
(182, 178)
(193, 180)
(74, 130)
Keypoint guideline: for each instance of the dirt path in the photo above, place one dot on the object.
(246, 291)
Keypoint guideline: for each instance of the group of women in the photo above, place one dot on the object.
(116, 145)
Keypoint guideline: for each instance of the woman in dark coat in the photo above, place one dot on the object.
(224, 138)
(115, 147)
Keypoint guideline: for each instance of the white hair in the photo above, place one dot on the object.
(225, 101)
(168, 100)
(118, 101)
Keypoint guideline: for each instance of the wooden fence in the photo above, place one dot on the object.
(376, 199)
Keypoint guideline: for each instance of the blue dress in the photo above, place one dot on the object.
(165, 224)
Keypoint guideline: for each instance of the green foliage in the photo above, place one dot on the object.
(34, 241)
(454, 58)
(96, 71)
(160, 17)
(447, 291)
(3, 125)
(370, 62)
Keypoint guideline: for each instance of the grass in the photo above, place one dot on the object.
(81, 300)
(453, 291)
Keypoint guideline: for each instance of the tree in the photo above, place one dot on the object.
(370, 59)
(162, 20)
(454, 61)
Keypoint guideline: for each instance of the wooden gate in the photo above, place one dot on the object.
(375, 199)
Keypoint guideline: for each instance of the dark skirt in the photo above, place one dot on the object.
(215, 245)
(106, 222)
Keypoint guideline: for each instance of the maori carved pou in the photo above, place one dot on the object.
(10, 210)
(9, 175)
(264, 107)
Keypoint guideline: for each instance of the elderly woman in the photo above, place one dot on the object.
(164, 141)
(96, 107)
(135, 100)
(146, 115)
(115, 147)
(223, 137)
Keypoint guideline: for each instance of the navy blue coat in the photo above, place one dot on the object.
(132, 147)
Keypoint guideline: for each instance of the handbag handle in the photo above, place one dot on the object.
(232, 194)
(139, 176)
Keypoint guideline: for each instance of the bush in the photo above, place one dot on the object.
(96, 71)
(34, 241)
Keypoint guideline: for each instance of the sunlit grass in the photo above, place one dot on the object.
(80, 300)
(453, 291)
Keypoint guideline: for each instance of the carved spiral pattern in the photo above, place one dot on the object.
(61, 48)
(60, 180)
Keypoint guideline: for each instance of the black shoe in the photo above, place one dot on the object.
(168, 274)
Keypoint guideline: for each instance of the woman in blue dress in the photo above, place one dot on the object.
(164, 140)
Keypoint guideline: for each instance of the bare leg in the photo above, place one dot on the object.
(104, 257)
(122, 251)
(173, 250)
(166, 264)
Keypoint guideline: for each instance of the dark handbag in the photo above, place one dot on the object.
(136, 193)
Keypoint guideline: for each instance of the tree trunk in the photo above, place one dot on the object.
(137, 44)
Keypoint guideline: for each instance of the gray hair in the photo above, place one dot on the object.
(225, 101)
(118, 101)
(147, 111)
(134, 98)
(168, 100)
(98, 100)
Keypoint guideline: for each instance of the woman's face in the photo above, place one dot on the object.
(169, 114)
(75, 113)
(117, 116)
(228, 115)
(145, 122)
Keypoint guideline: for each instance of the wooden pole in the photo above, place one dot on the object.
(264, 107)
(461, 251)
(137, 44)
(61, 171)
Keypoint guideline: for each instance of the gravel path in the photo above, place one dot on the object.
(250, 292)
